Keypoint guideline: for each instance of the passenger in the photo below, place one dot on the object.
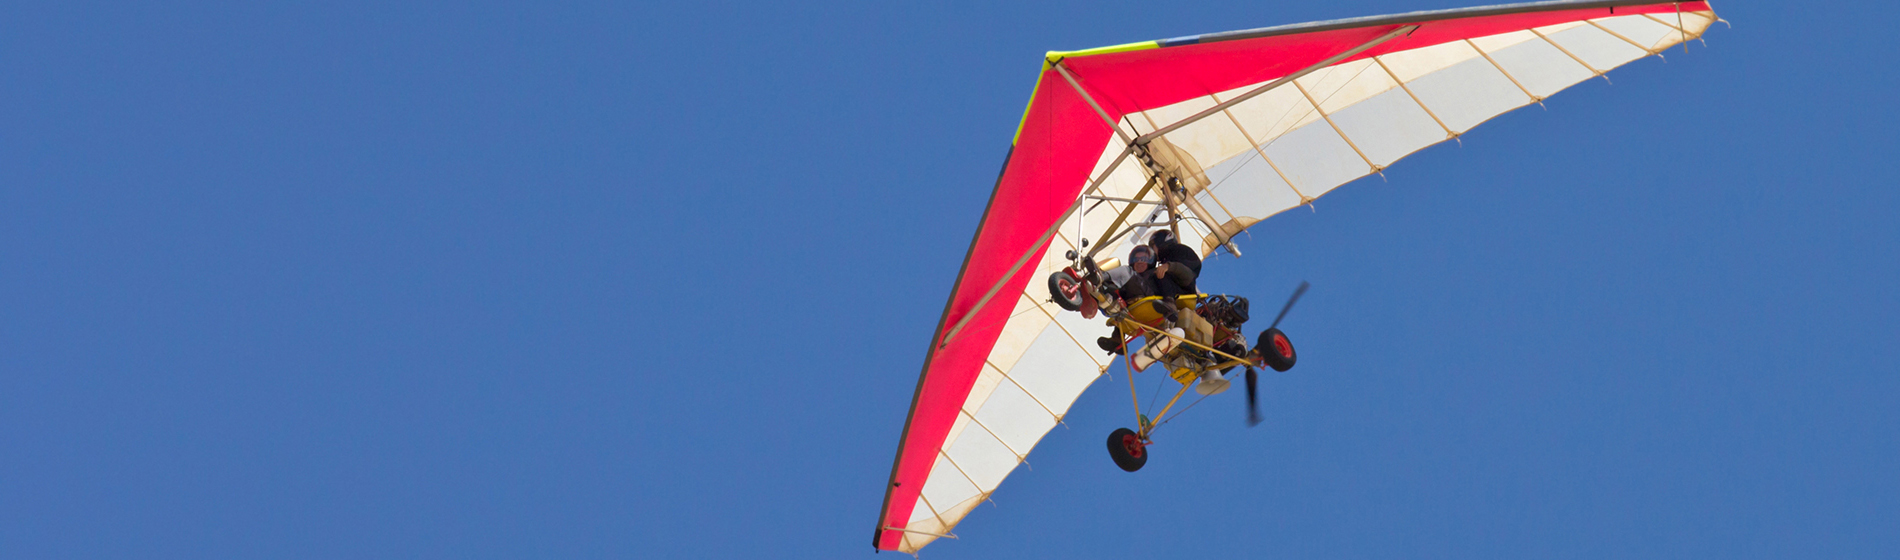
(1178, 265)
(1176, 269)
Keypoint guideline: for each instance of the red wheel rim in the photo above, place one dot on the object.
(1069, 286)
(1132, 444)
(1282, 345)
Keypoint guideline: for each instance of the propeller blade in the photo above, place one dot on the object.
(1253, 402)
(1297, 292)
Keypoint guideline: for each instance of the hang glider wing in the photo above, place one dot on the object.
(1255, 122)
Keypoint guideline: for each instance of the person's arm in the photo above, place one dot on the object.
(1180, 275)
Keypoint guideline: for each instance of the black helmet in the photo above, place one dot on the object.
(1161, 237)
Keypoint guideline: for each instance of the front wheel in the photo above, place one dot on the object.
(1066, 290)
(1276, 350)
(1126, 447)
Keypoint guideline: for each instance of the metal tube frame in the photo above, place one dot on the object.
(1110, 235)
(1140, 143)
(1033, 249)
(1167, 194)
(1127, 200)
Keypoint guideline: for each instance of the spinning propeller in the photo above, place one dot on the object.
(1253, 377)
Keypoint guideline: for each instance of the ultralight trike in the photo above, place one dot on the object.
(1196, 338)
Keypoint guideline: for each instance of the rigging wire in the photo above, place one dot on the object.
(1157, 391)
(1178, 413)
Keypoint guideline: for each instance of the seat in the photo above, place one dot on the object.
(1143, 311)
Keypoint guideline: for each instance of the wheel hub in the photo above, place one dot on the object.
(1133, 444)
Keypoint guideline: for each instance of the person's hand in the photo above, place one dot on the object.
(1161, 269)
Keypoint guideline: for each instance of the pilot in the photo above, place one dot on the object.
(1136, 281)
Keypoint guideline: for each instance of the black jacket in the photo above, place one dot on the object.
(1138, 286)
(1172, 252)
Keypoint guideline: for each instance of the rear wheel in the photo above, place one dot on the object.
(1066, 290)
(1126, 447)
(1276, 350)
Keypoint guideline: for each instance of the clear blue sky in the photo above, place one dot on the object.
(637, 281)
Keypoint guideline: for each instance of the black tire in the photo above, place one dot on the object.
(1276, 350)
(1129, 452)
(1070, 298)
